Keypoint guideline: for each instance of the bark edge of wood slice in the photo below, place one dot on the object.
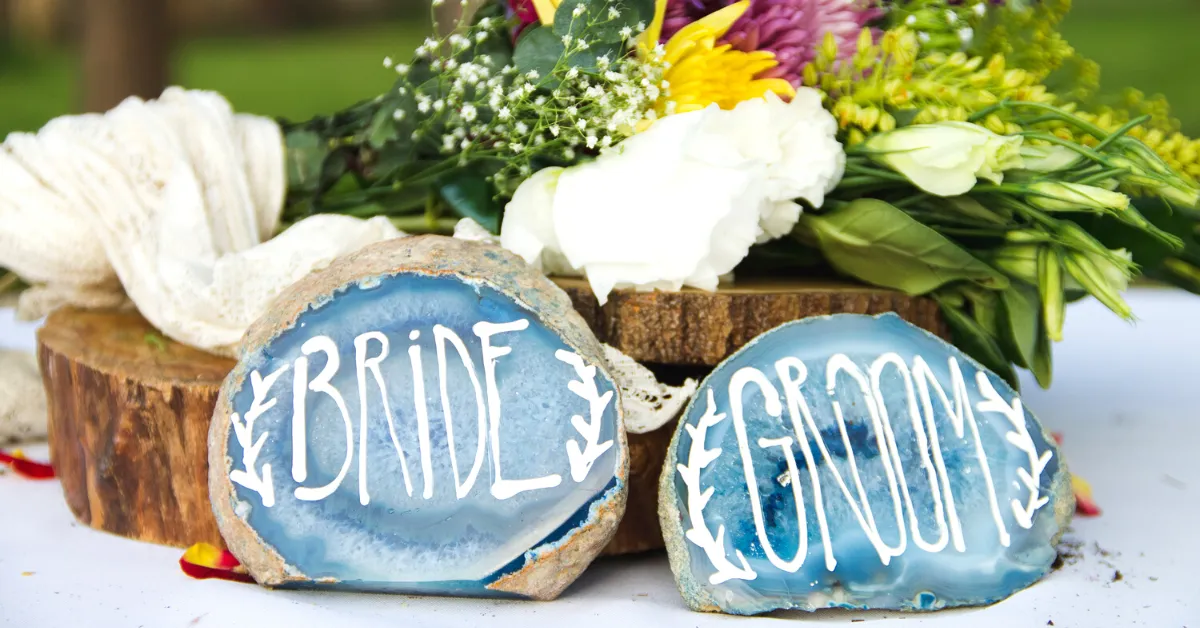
(128, 425)
(129, 410)
(698, 328)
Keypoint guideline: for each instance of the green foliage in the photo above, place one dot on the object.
(872, 241)
(468, 192)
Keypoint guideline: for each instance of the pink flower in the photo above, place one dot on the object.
(791, 29)
(525, 13)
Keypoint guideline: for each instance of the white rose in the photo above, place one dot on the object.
(528, 227)
(946, 158)
(681, 203)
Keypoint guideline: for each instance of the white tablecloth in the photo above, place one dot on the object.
(1125, 398)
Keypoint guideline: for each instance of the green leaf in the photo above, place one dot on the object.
(975, 342)
(469, 194)
(1020, 323)
(587, 60)
(594, 23)
(382, 128)
(306, 152)
(539, 49)
(1042, 365)
(877, 243)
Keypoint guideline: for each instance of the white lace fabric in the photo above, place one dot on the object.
(171, 204)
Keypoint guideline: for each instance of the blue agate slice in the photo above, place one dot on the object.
(858, 462)
(428, 416)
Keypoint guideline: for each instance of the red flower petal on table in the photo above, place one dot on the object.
(25, 467)
(203, 561)
(1085, 505)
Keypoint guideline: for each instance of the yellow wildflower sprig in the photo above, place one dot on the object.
(892, 83)
(890, 79)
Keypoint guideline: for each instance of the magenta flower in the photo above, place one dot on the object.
(791, 29)
(524, 12)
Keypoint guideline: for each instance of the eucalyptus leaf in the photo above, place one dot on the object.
(975, 342)
(1020, 323)
(591, 19)
(306, 152)
(383, 127)
(588, 60)
(539, 49)
(881, 245)
(468, 192)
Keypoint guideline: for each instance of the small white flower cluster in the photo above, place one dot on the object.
(474, 110)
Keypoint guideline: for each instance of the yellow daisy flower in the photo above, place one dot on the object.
(699, 72)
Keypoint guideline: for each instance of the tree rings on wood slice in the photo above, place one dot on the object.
(128, 422)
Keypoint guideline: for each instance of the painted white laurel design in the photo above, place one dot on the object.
(249, 476)
(1020, 439)
(582, 459)
(698, 458)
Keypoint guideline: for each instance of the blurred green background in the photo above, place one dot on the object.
(318, 62)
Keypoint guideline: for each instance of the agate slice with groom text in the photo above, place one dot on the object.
(858, 462)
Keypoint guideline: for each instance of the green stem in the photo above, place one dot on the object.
(1125, 128)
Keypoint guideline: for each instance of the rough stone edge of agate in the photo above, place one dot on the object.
(549, 568)
(697, 598)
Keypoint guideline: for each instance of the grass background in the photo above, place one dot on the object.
(1148, 44)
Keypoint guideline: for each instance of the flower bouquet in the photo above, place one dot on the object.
(957, 150)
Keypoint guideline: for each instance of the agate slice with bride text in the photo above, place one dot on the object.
(425, 416)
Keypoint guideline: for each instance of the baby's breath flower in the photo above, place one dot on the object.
(533, 75)
(566, 40)
(387, 62)
(504, 113)
(554, 130)
(439, 105)
(469, 113)
(521, 127)
(578, 11)
(591, 140)
(398, 115)
(516, 147)
(626, 32)
(613, 13)
(401, 68)
(572, 73)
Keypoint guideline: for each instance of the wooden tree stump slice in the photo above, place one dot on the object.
(695, 328)
(129, 410)
(128, 423)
